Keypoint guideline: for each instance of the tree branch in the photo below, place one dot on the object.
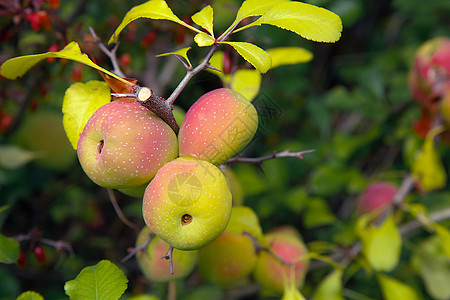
(260, 160)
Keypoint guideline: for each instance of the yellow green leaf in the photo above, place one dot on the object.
(154, 9)
(80, 102)
(331, 287)
(309, 21)
(444, 235)
(216, 62)
(204, 19)
(291, 292)
(289, 56)
(393, 289)
(251, 8)
(182, 52)
(30, 295)
(427, 168)
(16, 67)
(247, 82)
(380, 245)
(203, 40)
(256, 56)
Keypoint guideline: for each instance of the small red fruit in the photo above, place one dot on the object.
(34, 20)
(6, 121)
(22, 260)
(125, 60)
(39, 253)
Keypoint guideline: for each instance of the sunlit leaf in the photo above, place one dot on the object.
(380, 245)
(203, 40)
(154, 9)
(309, 21)
(444, 234)
(331, 287)
(289, 56)
(80, 102)
(9, 250)
(427, 168)
(13, 157)
(256, 56)
(204, 19)
(16, 67)
(251, 8)
(182, 52)
(30, 295)
(433, 267)
(290, 291)
(247, 82)
(102, 281)
(393, 289)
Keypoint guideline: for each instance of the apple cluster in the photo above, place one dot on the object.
(187, 200)
(240, 255)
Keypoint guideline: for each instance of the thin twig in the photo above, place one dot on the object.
(132, 252)
(112, 54)
(34, 237)
(409, 228)
(260, 160)
(169, 256)
(119, 212)
(172, 290)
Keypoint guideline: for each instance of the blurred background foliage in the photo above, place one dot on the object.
(351, 104)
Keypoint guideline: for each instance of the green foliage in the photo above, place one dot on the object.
(9, 250)
(330, 288)
(102, 281)
(30, 295)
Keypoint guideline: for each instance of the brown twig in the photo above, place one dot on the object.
(112, 54)
(35, 237)
(260, 160)
(132, 251)
(119, 212)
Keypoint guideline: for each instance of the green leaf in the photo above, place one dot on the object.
(80, 102)
(16, 67)
(13, 157)
(393, 289)
(203, 40)
(444, 234)
(154, 9)
(317, 213)
(309, 21)
(102, 281)
(9, 250)
(182, 52)
(380, 245)
(427, 168)
(251, 8)
(331, 287)
(216, 62)
(256, 56)
(204, 19)
(247, 82)
(433, 267)
(289, 56)
(30, 295)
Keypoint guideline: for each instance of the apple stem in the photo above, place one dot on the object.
(169, 256)
(132, 252)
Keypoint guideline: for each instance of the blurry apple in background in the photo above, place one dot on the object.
(288, 263)
(376, 197)
(156, 268)
(43, 132)
(124, 144)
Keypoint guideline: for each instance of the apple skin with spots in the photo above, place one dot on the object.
(270, 273)
(188, 203)
(218, 125)
(376, 197)
(124, 144)
(157, 269)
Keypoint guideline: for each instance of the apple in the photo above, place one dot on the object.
(376, 197)
(430, 73)
(188, 203)
(286, 262)
(155, 267)
(42, 131)
(218, 125)
(230, 259)
(123, 145)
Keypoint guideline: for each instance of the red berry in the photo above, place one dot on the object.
(44, 20)
(125, 59)
(22, 260)
(33, 18)
(227, 65)
(6, 121)
(148, 39)
(54, 3)
(77, 74)
(39, 253)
